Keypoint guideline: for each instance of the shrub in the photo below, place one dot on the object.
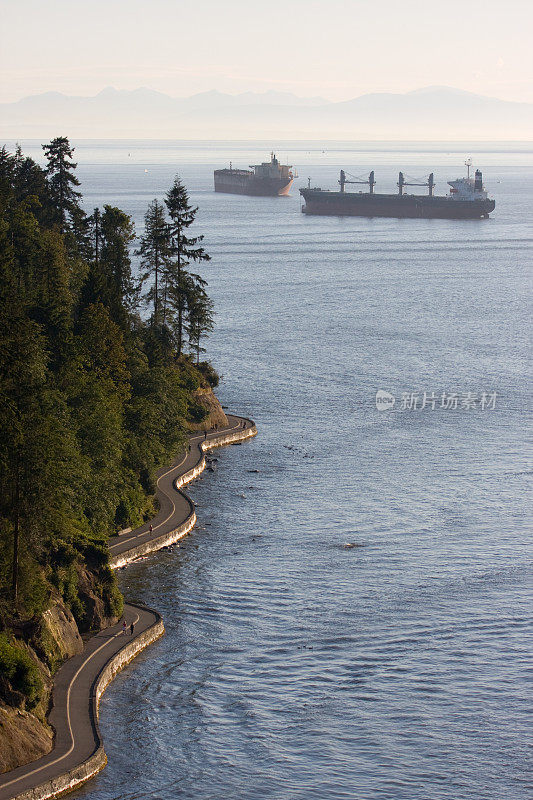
(17, 666)
(96, 555)
(209, 373)
(197, 412)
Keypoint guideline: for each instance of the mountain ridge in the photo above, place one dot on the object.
(428, 112)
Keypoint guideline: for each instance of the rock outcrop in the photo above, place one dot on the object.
(23, 737)
(48, 642)
(216, 417)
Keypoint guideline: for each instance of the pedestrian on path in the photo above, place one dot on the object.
(205, 433)
(132, 626)
(189, 447)
(124, 628)
(151, 528)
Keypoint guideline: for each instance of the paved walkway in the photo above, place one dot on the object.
(174, 507)
(73, 713)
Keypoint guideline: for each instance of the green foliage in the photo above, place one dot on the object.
(134, 506)
(197, 412)
(210, 374)
(93, 400)
(110, 280)
(176, 295)
(20, 669)
(64, 206)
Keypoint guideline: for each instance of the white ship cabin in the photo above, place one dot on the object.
(468, 188)
(272, 169)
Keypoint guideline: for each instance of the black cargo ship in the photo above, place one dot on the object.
(267, 179)
(467, 199)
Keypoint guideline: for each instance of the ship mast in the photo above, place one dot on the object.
(368, 181)
(430, 183)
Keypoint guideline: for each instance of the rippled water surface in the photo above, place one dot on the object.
(350, 618)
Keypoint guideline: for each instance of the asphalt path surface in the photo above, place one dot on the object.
(72, 715)
(174, 506)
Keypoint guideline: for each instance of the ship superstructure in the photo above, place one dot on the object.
(467, 199)
(267, 179)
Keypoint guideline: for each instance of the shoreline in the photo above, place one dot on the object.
(78, 753)
(127, 548)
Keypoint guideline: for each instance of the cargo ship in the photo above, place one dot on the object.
(467, 199)
(268, 179)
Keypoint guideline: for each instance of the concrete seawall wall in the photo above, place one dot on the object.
(74, 778)
(124, 656)
(211, 444)
(182, 530)
(157, 543)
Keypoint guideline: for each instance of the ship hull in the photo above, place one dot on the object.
(258, 187)
(351, 204)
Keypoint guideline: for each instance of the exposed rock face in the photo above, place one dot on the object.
(23, 738)
(206, 398)
(60, 635)
(96, 616)
(49, 641)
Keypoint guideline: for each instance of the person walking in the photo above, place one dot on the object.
(205, 433)
(124, 628)
(132, 627)
(151, 528)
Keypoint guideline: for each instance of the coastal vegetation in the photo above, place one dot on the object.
(100, 378)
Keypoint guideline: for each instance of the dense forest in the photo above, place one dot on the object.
(99, 364)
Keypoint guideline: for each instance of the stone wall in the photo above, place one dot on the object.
(182, 530)
(78, 775)
(83, 772)
(154, 544)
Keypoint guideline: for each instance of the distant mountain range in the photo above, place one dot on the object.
(435, 112)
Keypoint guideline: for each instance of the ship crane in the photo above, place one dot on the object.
(369, 181)
(430, 183)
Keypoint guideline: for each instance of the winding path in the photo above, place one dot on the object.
(78, 753)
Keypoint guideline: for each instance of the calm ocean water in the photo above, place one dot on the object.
(296, 667)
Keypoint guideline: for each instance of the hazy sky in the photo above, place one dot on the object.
(335, 49)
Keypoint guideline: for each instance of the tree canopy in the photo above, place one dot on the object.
(94, 396)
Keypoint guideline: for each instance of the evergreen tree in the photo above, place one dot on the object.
(117, 235)
(184, 249)
(97, 400)
(96, 229)
(7, 170)
(30, 183)
(79, 239)
(92, 402)
(109, 279)
(22, 378)
(199, 314)
(53, 305)
(154, 251)
(62, 182)
(92, 290)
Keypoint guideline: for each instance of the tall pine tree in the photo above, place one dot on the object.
(154, 251)
(62, 182)
(184, 249)
(199, 314)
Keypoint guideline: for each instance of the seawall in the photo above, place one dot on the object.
(75, 777)
(157, 542)
(52, 778)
